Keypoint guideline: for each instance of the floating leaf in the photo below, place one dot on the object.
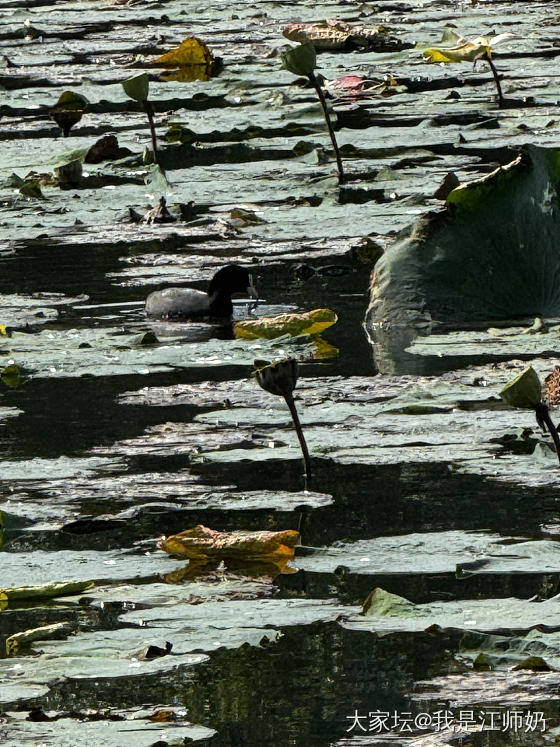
(31, 188)
(11, 376)
(200, 542)
(137, 87)
(309, 323)
(300, 60)
(44, 591)
(46, 632)
(533, 663)
(3, 331)
(524, 391)
(192, 51)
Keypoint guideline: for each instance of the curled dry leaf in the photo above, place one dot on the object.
(200, 542)
(551, 388)
(459, 49)
(192, 59)
(309, 323)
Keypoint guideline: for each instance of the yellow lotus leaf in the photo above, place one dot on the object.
(191, 51)
(464, 51)
(44, 591)
(188, 73)
(46, 632)
(200, 542)
(455, 48)
(309, 323)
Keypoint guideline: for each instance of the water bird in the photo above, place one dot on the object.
(189, 303)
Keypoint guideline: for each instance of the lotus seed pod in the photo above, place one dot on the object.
(278, 378)
(524, 391)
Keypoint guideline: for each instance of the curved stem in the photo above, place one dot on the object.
(543, 417)
(297, 425)
(496, 78)
(315, 83)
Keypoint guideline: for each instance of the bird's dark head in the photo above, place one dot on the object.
(231, 279)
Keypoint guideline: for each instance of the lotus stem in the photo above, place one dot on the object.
(150, 112)
(544, 419)
(496, 78)
(297, 425)
(315, 83)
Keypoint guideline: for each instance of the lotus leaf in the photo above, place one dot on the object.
(191, 51)
(309, 323)
(382, 603)
(464, 50)
(200, 542)
(192, 58)
(19, 640)
(300, 60)
(137, 87)
(524, 391)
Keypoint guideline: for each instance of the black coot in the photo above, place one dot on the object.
(188, 303)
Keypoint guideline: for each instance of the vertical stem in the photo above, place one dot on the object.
(297, 425)
(321, 95)
(150, 112)
(496, 78)
(544, 417)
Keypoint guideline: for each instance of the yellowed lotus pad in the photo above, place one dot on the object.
(191, 51)
(309, 323)
(200, 542)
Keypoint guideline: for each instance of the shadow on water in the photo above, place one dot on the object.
(299, 689)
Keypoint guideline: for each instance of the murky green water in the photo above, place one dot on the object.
(425, 485)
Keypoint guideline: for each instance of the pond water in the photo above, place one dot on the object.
(426, 487)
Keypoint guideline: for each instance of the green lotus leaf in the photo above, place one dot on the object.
(137, 88)
(300, 60)
(524, 391)
(70, 101)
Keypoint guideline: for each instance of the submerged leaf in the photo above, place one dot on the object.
(300, 60)
(524, 391)
(309, 323)
(200, 542)
(188, 73)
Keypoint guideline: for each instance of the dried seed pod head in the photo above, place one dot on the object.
(278, 378)
(523, 391)
(551, 388)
